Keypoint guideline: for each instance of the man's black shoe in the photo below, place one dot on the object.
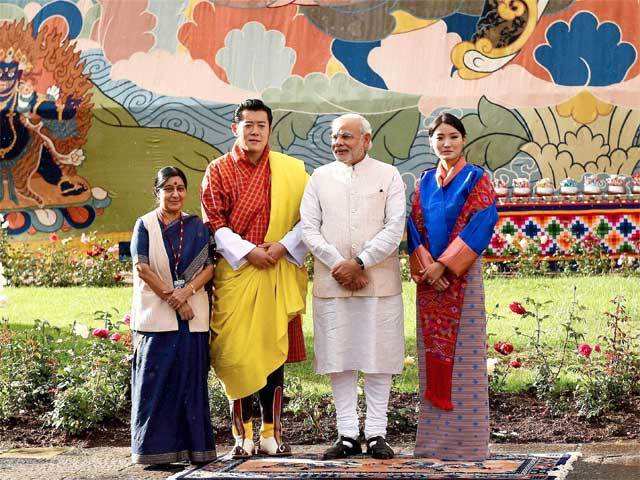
(379, 449)
(343, 448)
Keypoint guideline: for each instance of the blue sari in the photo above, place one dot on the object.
(170, 418)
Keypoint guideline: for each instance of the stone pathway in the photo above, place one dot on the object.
(600, 461)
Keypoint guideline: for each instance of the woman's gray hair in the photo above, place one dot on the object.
(365, 126)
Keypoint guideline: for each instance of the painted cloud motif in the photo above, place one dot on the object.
(585, 52)
(255, 59)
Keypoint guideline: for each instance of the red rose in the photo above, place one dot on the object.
(54, 237)
(516, 307)
(115, 337)
(503, 348)
(507, 348)
(117, 277)
(596, 347)
(515, 363)
(584, 350)
(100, 332)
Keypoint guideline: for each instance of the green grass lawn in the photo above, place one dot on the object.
(61, 306)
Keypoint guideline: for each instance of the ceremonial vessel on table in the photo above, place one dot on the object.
(501, 187)
(592, 185)
(521, 187)
(569, 186)
(635, 183)
(545, 187)
(616, 184)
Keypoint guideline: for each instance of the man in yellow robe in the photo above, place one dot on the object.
(250, 201)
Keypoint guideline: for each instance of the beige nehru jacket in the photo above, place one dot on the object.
(355, 211)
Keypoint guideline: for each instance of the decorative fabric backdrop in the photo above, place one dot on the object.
(558, 228)
(95, 96)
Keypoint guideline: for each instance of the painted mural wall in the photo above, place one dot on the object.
(96, 95)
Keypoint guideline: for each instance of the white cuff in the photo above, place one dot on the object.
(296, 249)
(232, 247)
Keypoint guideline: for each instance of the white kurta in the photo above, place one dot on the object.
(358, 333)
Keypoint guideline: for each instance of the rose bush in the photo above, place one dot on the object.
(56, 264)
(73, 380)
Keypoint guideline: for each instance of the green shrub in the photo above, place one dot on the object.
(27, 363)
(73, 383)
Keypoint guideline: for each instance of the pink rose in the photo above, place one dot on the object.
(584, 350)
(115, 337)
(515, 363)
(516, 307)
(126, 319)
(596, 347)
(100, 332)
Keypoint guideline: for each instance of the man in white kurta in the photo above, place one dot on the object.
(353, 216)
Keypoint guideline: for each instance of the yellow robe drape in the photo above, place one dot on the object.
(252, 307)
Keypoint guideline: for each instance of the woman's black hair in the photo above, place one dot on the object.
(164, 174)
(449, 119)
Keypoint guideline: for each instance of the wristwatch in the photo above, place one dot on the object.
(359, 262)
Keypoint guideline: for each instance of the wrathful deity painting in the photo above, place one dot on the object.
(96, 95)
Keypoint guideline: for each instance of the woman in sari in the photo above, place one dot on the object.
(451, 223)
(171, 250)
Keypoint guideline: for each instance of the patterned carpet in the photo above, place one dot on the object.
(499, 467)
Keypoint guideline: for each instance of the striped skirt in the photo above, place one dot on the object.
(463, 433)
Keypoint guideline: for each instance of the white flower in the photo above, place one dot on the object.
(75, 158)
(114, 248)
(89, 262)
(64, 241)
(409, 360)
(81, 330)
(491, 365)
(4, 301)
(508, 237)
(544, 239)
(4, 224)
(84, 238)
(523, 243)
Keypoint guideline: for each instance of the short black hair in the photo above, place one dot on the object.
(164, 174)
(254, 105)
(449, 119)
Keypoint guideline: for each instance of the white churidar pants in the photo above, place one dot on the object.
(377, 387)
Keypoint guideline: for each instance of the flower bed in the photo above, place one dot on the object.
(55, 264)
(73, 380)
